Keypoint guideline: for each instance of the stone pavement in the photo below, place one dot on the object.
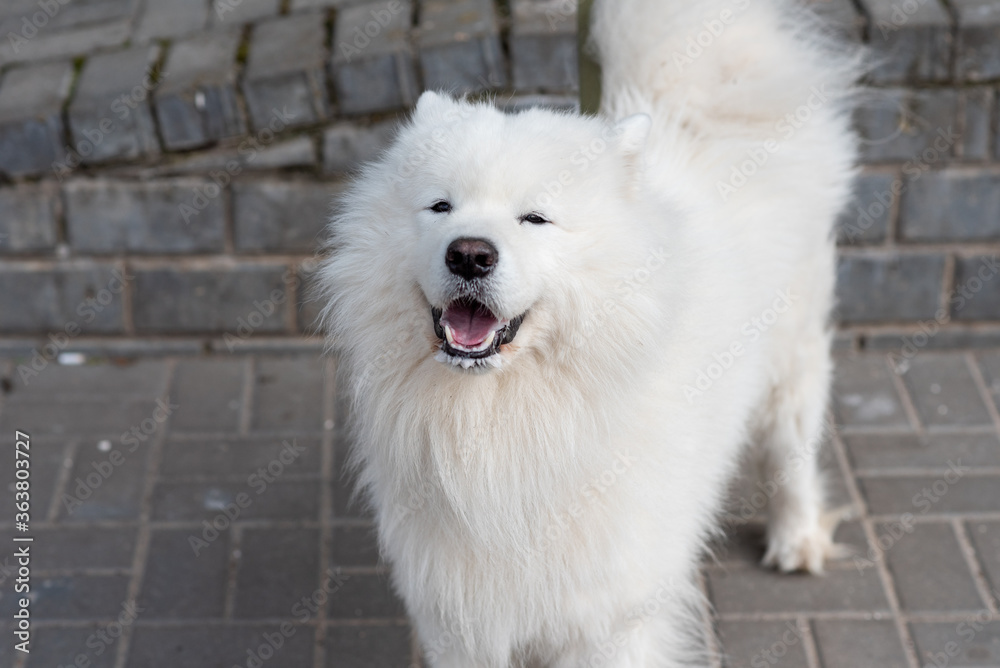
(187, 509)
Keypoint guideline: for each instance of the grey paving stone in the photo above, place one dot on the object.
(972, 643)
(841, 16)
(365, 597)
(543, 45)
(75, 548)
(31, 125)
(288, 394)
(251, 155)
(989, 365)
(179, 584)
(866, 219)
(242, 11)
(309, 304)
(47, 462)
(944, 339)
(898, 451)
(368, 646)
(354, 546)
(910, 42)
(197, 103)
(978, 110)
(210, 300)
(104, 485)
(275, 216)
(745, 542)
(888, 287)
(128, 379)
(210, 393)
(977, 51)
(929, 571)
(757, 590)
(372, 64)
(459, 46)
(864, 394)
(986, 539)
(952, 205)
(105, 216)
(110, 116)
(278, 567)
(61, 300)
(81, 417)
(900, 125)
(29, 224)
(852, 644)
(207, 645)
(177, 18)
(753, 644)
(241, 457)
(943, 391)
(346, 146)
(76, 28)
(285, 71)
(78, 596)
(931, 494)
(976, 296)
(67, 646)
(280, 500)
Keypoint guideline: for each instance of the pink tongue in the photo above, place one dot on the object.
(470, 323)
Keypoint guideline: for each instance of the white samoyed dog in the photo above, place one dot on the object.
(560, 331)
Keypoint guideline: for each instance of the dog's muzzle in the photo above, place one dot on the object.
(470, 333)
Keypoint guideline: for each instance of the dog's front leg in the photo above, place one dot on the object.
(639, 642)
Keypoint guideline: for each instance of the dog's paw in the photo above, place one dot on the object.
(799, 548)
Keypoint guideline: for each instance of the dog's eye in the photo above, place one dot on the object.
(533, 218)
(441, 206)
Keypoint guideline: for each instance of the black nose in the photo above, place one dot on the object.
(471, 258)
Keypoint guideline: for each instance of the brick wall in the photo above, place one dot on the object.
(166, 167)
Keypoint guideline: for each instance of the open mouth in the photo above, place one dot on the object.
(470, 333)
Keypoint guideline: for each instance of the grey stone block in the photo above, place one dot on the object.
(285, 70)
(210, 392)
(952, 205)
(366, 596)
(977, 51)
(288, 395)
(278, 569)
(372, 63)
(250, 155)
(916, 494)
(346, 146)
(368, 646)
(291, 500)
(929, 570)
(309, 303)
(459, 46)
(28, 223)
(543, 45)
(197, 102)
(777, 644)
(63, 645)
(985, 537)
(977, 288)
(63, 299)
(225, 12)
(935, 450)
(866, 218)
(79, 548)
(110, 116)
(943, 391)
(888, 287)
(165, 20)
(840, 16)
(32, 33)
(910, 42)
(977, 108)
(864, 395)
(354, 546)
(239, 457)
(989, 364)
(227, 299)
(179, 584)
(200, 644)
(917, 126)
(856, 643)
(971, 643)
(278, 216)
(31, 126)
(79, 596)
(113, 216)
(757, 590)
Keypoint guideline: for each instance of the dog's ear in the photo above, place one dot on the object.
(632, 132)
(431, 104)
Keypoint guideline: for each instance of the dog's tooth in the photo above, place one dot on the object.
(488, 342)
(450, 335)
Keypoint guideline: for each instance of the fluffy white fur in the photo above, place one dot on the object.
(550, 507)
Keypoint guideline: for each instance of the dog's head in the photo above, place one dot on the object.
(480, 236)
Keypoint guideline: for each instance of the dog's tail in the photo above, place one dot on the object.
(721, 71)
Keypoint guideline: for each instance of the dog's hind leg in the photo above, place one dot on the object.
(799, 536)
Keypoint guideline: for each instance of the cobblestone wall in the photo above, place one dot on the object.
(166, 167)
